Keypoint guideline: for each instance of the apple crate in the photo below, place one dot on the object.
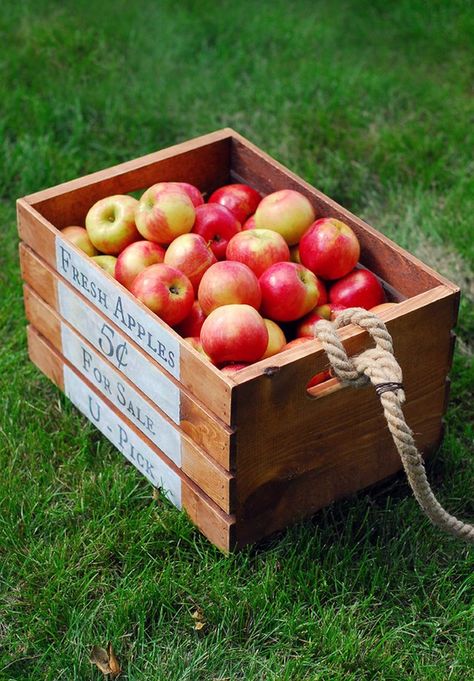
(245, 455)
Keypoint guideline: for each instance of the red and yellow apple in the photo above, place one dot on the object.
(191, 254)
(217, 225)
(258, 249)
(110, 223)
(329, 248)
(164, 212)
(226, 283)
(234, 333)
(191, 326)
(80, 238)
(249, 223)
(359, 288)
(287, 212)
(135, 258)
(106, 262)
(276, 339)
(306, 327)
(289, 291)
(296, 341)
(165, 291)
(240, 199)
(231, 369)
(193, 193)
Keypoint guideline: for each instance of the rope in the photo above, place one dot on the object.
(379, 366)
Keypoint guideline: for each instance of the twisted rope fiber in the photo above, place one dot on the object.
(379, 366)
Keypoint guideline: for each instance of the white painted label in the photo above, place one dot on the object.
(120, 435)
(119, 352)
(110, 383)
(106, 295)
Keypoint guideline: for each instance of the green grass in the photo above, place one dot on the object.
(372, 102)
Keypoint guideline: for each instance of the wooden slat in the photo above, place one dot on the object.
(214, 480)
(206, 382)
(204, 428)
(403, 271)
(206, 515)
(203, 161)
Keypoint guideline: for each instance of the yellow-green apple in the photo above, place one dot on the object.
(382, 307)
(234, 333)
(217, 225)
(191, 254)
(306, 326)
(295, 254)
(287, 212)
(231, 369)
(289, 291)
(193, 193)
(106, 262)
(164, 212)
(79, 237)
(191, 326)
(110, 223)
(135, 258)
(276, 339)
(359, 288)
(258, 249)
(329, 248)
(240, 199)
(226, 283)
(249, 223)
(166, 291)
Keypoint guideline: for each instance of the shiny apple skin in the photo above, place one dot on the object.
(192, 324)
(165, 291)
(289, 291)
(359, 288)
(258, 249)
(287, 212)
(193, 192)
(249, 223)
(80, 238)
(240, 199)
(276, 339)
(191, 254)
(227, 283)
(135, 258)
(329, 248)
(217, 225)
(234, 333)
(110, 223)
(164, 212)
(306, 327)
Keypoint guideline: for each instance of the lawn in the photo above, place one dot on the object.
(370, 101)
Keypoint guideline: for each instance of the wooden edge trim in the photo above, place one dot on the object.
(127, 166)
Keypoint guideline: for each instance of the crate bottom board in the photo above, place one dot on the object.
(216, 525)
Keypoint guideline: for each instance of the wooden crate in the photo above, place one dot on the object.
(243, 455)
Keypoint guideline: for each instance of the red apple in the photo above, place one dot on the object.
(240, 199)
(276, 339)
(217, 225)
(193, 193)
(359, 288)
(319, 378)
(234, 333)
(228, 283)
(164, 212)
(334, 310)
(287, 212)
(191, 326)
(329, 248)
(135, 258)
(249, 223)
(306, 327)
(258, 249)
(297, 341)
(191, 254)
(79, 237)
(110, 223)
(289, 291)
(106, 262)
(232, 369)
(166, 291)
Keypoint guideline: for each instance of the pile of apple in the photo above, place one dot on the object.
(241, 277)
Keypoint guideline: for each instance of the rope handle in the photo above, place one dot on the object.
(379, 366)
